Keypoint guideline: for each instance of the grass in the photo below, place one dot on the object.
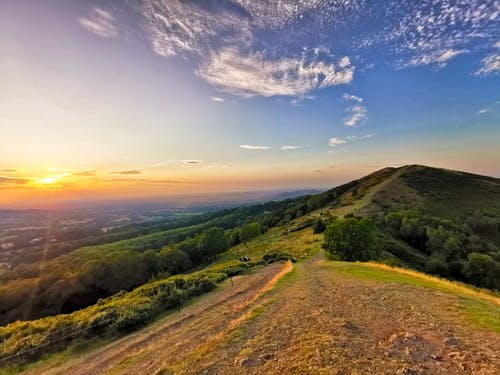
(481, 306)
(301, 244)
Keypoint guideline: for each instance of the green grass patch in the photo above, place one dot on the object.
(480, 306)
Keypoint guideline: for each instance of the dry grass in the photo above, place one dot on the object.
(446, 285)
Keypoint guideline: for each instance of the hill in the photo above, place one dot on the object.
(321, 318)
(425, 220)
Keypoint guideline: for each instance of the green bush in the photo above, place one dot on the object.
(114, 315)
(276, 256)
(436, 266)
(353, 239)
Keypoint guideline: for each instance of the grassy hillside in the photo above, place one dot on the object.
(323, 317)
(425, 218)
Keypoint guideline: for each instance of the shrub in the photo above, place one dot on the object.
(436, 266)
(319, 226)
(276, 256)
(483, 270)
(352, 239)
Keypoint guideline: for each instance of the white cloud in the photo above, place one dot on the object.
(353, 97)
(489, 108)
(432, 32)
(176, 27)
(440, 58)
(254, 147)
(100, 22)
(160, 164)
(353, 138)
(358, 114)
(217, 99)
(250, 74)
(336, 141)
(490, 65)
(285, 148)
(297, 101)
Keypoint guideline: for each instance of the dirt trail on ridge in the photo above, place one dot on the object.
(316, 321)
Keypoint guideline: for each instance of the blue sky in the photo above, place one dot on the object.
(240, 95)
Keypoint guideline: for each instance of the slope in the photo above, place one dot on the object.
(323, 318)
(292, 233)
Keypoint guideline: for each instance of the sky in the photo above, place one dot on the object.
(109, 99)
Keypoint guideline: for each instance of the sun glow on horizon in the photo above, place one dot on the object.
(51, 180)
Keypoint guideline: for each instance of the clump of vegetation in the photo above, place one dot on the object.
(319, 226)
(276, 256)
(455, 249)
(250, 231)
(123, 312)
(352, 239)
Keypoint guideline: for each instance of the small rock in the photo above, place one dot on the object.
(451, 341)
(407, 371)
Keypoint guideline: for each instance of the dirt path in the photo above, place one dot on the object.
(158, 345)
(316, 321)
(320, 322)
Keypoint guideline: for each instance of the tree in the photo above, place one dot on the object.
(191, 246)
(174, 261)
(436, 240)
(436, 266)
(483, 270)
(352, 239)
(452, 246)
(250, 231)
(213, 241)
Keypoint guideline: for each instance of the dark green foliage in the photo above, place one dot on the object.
(276, 256)
(319, 226)
(436, 266)
(353, 239)
(205, 246)
(213, 241)
(448, 243)
(250, 231)
(120, 313)
(483, 270)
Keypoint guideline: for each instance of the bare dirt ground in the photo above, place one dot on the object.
(315, 321)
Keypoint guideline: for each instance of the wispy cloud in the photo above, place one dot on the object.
(191, 162)
(160, 164)
(352, 97)
(489, 65)
(148, 181)
(217, 99)
(127, 172)
(489, 108)
(251, 74)
(432, 32)
(9, 181)
(333, 142)
(286, 148)
(357, 115)
(100, 22)
(9, 170)
(86, 173)
(439, 58)
(254, 147)
(353, 138)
